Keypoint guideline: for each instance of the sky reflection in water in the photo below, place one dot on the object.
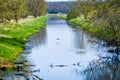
(60, 44)
(61, 52)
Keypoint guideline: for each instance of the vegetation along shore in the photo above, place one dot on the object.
(14, 35)
(16, 26)
(100, 19)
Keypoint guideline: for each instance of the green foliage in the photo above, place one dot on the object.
(105, 14)
(62, 16)
(73, 14)
(12, 44)
(108, 17)
(84, 7)
(12, 9)
(37, 7)
(16, 9)
(90, 28)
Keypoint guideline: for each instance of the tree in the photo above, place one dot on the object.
(84, 7)
(108, 17)
(18, 8)
(105, 14)
(73, 14)
(12, 9)
(5, 11)
(37, 7)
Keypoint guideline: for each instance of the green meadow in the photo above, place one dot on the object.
(14, 35)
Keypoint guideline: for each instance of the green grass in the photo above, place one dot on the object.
(12, 45)
(62, 16)
(93, 30)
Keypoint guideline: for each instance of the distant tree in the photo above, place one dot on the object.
(37, 7)
(84, 7)
(19, 9)
(59, 7)
(5, 11)
(72, 14)
(12, 9)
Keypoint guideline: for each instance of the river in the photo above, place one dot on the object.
(61, 52)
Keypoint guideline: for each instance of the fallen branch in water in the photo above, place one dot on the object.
(22, 62)
(36, 77)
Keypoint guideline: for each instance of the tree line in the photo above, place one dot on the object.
(15, 9)
(59, 7)
(103, 13)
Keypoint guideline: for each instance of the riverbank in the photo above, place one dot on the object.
(62, 16)
(13, 37)
(86, 25)
(98, 31)
(89, 27)
(95, 30)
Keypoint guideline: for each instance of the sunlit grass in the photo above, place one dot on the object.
(91, 29)
(62, 17)
(14, 35)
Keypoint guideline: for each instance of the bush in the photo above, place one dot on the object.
(73, 14)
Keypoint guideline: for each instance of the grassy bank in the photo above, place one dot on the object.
(89, 27)
(14, 35)
(62, 16)
(94, 30)
(98, 31)
(86, 25)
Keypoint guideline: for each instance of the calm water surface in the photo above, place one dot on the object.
(61, 52)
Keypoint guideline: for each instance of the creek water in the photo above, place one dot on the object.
(60, 52)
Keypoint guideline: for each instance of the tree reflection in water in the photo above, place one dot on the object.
(106, 68)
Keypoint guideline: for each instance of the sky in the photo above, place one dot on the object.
(57, 0)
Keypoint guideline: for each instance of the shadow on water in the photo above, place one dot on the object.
(39, 38)
(105, 68)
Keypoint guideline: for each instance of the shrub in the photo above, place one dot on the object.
(73, 14)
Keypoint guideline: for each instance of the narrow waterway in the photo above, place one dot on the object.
(61, 52)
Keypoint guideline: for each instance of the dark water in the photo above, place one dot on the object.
(60, 52)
